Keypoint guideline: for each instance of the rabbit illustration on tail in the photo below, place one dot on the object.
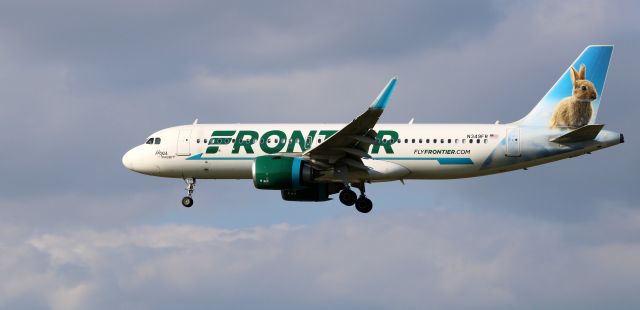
(575, 111)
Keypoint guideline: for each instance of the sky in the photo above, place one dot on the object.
(82, 82)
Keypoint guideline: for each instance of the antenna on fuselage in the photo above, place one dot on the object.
(195, 122)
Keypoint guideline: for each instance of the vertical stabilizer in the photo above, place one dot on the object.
(574, 99)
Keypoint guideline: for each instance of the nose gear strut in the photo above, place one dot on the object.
(187, 201)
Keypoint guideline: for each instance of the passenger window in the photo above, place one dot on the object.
(150, 141)
(197, 140)
(427, 141)
(419, 140)
(478, 141)
(318, 140)
(406, 140)
(464, 141)
(456, 141)
(485, 141)
(268, 140)
(441, 140)
(205, 140)
(413, 140)
(384, 140)
(470, 140)
(435, 140)
(449, 141)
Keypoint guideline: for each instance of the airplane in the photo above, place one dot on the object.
(312, 162)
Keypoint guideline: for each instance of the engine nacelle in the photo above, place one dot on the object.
(314, 192)
(280, 172)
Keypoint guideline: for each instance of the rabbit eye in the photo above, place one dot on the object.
(583, 88)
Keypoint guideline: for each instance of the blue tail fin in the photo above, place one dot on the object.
(574, 99)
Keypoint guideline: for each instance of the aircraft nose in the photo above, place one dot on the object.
(127, 159)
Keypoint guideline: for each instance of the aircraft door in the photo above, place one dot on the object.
(513, 142)
(184, 143)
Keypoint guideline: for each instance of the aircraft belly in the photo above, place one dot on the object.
(382, 170)
(231, 169)
(207, 169)
(436, 170)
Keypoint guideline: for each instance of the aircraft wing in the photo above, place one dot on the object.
(349, 145)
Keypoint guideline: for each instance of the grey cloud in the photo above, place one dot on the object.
(134, 44)
(76, 98)
(474, 82)
(435, 258)
(478, 81)
(94, 73)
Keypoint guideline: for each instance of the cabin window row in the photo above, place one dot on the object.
(230, 140)
(434, 141)
(308, 141)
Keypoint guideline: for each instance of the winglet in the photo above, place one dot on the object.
(383, 98)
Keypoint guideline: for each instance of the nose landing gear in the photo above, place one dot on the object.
(187, 201)
(348, 198)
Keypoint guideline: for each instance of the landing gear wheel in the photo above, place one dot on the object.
(364, 204)
(348, 197)
(187, 201)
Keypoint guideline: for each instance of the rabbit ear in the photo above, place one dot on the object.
(574, 75)
(583, 72)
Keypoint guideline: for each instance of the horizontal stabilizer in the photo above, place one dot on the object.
(584, 133)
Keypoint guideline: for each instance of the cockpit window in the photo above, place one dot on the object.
(150, 141)
(157, 141)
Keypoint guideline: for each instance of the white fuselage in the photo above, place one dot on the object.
(440, 151)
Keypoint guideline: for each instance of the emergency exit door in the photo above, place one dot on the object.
(513, 142)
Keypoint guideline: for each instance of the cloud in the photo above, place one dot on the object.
(81, 83)
(58, 83)
(436, 259)
(134, 43)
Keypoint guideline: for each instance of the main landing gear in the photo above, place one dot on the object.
(187, 201)
(348, 198)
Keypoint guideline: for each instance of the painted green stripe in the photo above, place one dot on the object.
(442, 160)
(199, 157)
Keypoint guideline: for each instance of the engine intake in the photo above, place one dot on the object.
(281, 172)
